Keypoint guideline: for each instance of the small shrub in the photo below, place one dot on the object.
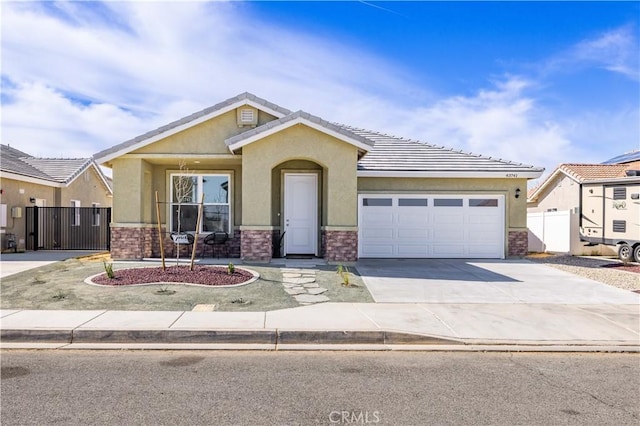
(108, 268)
(231, 268)
(343, 271)
(60, 295)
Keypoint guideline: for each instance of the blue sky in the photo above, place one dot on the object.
(535, 82)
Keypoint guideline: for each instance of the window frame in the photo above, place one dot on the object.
(95, 214)
(200, 175)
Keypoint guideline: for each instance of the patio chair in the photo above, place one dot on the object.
(216, 239)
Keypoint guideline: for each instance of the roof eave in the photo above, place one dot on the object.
(243, 141)
(30, 179)
(503, 174)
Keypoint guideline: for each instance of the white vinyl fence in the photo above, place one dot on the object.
(550, 231)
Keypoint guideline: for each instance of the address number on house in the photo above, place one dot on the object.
(180, 238)
(512, 175)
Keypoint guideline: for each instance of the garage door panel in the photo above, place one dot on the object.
(413, 219)
(419, 225)
(448, 250)
(377, 218)
(377, 233)
(453, 217)
(412, 234)
(378, 250)
(448, 233)
(482, 219)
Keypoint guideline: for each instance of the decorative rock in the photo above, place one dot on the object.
(318, 290)
(310, 298)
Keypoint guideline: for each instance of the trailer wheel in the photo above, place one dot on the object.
(636, 253)
(625, 252)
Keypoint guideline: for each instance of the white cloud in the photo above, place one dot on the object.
(615, 50)
(82, 77)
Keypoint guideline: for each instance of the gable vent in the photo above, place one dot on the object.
(247, 117)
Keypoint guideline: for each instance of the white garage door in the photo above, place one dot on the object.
(447, 226)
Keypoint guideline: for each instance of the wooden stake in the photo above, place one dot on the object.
(195, 237)
(160, 232)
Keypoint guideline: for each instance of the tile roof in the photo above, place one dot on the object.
(59, 170)
(391, 153)
(582, 172)
(384, 153)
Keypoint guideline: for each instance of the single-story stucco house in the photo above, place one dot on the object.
(329, 190)
(76, 186)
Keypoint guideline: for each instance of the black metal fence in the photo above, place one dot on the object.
(68, 228)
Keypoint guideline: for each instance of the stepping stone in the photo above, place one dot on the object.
(290, 275)
(310, 298)
(318, 290)
(290, 285)
(311, 285)
(294, 292)
(204, 308)
(298, 280)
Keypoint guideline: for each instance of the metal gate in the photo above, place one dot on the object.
(68, 228)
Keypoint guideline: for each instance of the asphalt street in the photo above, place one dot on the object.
(318, 388)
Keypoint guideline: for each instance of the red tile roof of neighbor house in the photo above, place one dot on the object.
(582, 172)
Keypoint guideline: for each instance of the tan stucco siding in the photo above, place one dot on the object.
(300, 142)
(128, 189)
(205, 138)
(87, 188)
(516, 211)
(563, 194)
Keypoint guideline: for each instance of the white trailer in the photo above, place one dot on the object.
(610, 214)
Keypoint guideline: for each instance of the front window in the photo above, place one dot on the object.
(186, 192)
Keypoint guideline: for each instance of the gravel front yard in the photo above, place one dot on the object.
(602, 269)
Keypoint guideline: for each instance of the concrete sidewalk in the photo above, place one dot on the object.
(337, 326)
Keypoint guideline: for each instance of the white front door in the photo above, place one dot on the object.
(300, 213)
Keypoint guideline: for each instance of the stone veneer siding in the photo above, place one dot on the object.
(130, 243)
(340, 246)
(518, 243)
(256, 245)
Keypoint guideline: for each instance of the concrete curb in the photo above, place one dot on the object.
(279, 340)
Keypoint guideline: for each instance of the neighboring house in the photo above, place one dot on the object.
(554, 207)
(28, 181)
(329, 190)
(628, 157)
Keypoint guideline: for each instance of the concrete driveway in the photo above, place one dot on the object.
(482, 281)
(12, 263)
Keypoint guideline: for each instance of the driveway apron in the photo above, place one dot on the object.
(482, 281)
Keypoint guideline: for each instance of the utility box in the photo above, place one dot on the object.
(16, 212)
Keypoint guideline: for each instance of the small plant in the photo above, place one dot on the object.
(241, 301)
(108, 269)
(60, 295)
(231, 268)
(343, 271)
(164, 290)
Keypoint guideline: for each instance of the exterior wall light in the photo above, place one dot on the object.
(517, 195)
